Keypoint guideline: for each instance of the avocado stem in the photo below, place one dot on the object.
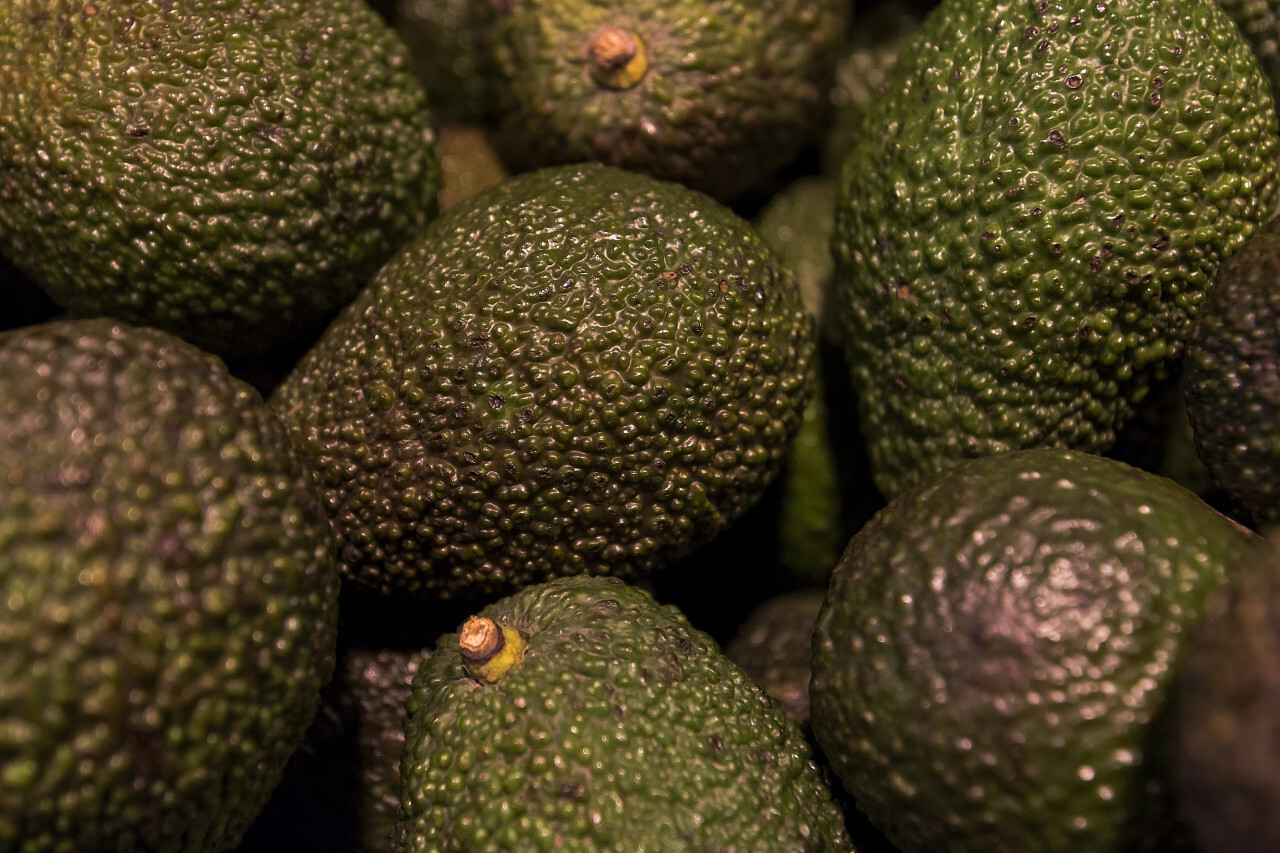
(489, 650)
(618, 59)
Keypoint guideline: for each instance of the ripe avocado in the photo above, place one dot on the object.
(1032, 215)
(714, 95)
(170, 595)
(993, 661)
(1231, 376)
(611, 724)
(579, 369)
(1228, 733)
(231, 172)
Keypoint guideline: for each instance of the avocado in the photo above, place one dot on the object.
(170, 594)
(1031, 216)
(580, 714)
(714, 95)
(994, 660)
(774, 645)
(1259, 22)
(578, 369)
(229, 172)
(1231, 376)
(1228, 732)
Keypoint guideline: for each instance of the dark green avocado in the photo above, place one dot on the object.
(1032, 215)
(579, 369)
(170, 595)
(1231, 376)
(610, 724)
(231, 172)
(714, 95)
(1228, 737)
(994, 662)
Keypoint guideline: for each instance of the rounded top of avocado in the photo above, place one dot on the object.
(170, 595)
(623, 729)
(716, 96)
(579, 369)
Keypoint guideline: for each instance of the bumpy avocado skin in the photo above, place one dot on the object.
(1259, 21)
(1228, 747)
(231, 172)
(734, 89)
(1032, 216)
(170, 594)
(1231, 376)
(579, 369)
(624, 728)
(993, 662)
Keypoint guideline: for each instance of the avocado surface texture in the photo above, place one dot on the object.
(621, 728)
(231, 171)
(1032, 215)
(579, 369)
(714, 95)
(993, 664)
(170, 594)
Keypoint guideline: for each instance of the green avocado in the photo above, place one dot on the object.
(1259, 22)
(1231, 376)
(714, 95)
(1228, 733)
(1031, 216)
(170, 594)
(231, 171)
(582, 715)
(578, 369)
(994, 662)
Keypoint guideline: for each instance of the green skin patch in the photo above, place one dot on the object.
(623, 728)
(1031, 216)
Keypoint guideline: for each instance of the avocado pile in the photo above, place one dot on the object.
(514, 425)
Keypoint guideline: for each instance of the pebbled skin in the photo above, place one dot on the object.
(1032, 216)
(1259, 21)
(993, 662)
(1231, 376)
(735, 88)
(623, 729)
(170, 596)
(580, 369)
(229, 171)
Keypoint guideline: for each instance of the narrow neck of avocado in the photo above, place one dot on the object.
(618, 59)
(490, 650)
